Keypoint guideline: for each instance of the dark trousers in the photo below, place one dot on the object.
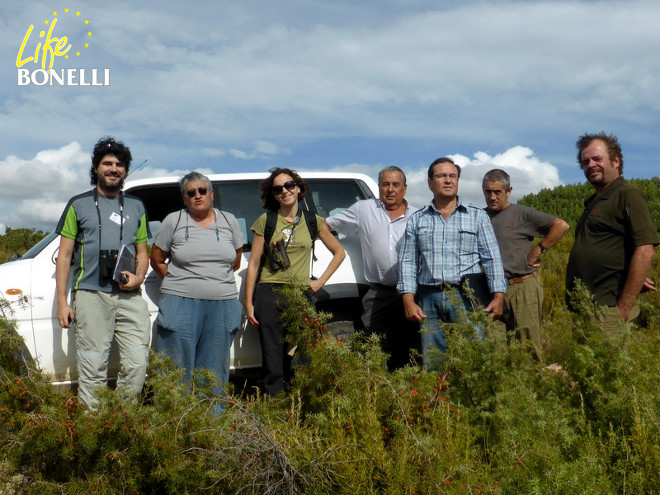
(275, 360)
(383, 314)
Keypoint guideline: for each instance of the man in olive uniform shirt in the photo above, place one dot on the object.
(615, 237)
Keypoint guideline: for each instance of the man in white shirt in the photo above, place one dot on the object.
(380, 225)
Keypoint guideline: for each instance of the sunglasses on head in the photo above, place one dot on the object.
(289, 186)
(193, 192)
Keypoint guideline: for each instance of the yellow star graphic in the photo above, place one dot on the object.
(86, 45)
(66, 56)
(86, 21)
(77, 54)
(77, 13)
(46, 22)
(66, 10)
(89, 34)
(54, 14)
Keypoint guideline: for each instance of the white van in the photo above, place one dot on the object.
(29, 282)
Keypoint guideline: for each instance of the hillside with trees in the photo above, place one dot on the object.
(567, 202)
(18, 241)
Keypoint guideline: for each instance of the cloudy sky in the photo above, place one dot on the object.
(231, 86)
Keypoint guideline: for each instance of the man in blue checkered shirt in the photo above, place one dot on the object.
(443, 243)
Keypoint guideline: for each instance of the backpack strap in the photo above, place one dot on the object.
(177, 222)
(271, 223)
(269, 230)
(225, 217)
(312, 227)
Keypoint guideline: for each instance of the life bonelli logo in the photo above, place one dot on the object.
(46, 46)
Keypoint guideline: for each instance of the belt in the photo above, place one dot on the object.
(517, 280)
(377, 286)
(441, 287)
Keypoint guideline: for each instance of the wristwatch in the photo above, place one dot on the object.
(542, 247)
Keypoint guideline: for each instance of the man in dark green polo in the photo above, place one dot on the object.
(614, 238)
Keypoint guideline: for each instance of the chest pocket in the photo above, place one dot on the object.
(599, 223)
(467, 242)
(425, 238)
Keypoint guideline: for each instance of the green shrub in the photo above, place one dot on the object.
(490, 421)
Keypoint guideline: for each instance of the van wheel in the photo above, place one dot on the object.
(341, 329)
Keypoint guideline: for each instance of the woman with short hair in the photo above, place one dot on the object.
(198, 312)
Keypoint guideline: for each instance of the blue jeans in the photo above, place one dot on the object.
(198, 333)
(440, 307)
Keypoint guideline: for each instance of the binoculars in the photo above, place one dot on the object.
(279, 260)
(107, 263)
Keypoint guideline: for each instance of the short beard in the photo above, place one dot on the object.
(111, 188)
(115, 188)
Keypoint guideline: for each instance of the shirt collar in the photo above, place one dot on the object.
(607, 192)
(381, 205)
(459, 206)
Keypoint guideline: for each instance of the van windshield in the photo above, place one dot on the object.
(39, 246)
(242, 198)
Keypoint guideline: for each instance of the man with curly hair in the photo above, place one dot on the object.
(614, 238)
(105, 306)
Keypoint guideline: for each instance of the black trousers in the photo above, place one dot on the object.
(275, 360)
(383, 314)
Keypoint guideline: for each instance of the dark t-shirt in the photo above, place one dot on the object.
(515, 227)
(613, 225)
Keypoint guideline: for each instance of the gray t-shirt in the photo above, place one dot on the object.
(515, 227)
(200, 257)
(80, 222)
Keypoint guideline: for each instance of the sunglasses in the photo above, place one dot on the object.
(193, 192)
(289, 186)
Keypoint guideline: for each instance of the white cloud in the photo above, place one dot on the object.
(361, 168)
(35, 191)
(265, 148)
(150, 172)
(248, 81)
(33, 213)
(528, 175)
(213, 152)
(262, 149)
(240, 154)
(50, 171)
(266, 73)
(38, 189)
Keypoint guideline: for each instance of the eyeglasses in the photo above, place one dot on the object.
(445, 176)
(191, 193)
(289, 186)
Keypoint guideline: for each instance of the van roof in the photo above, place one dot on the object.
(247, 176)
